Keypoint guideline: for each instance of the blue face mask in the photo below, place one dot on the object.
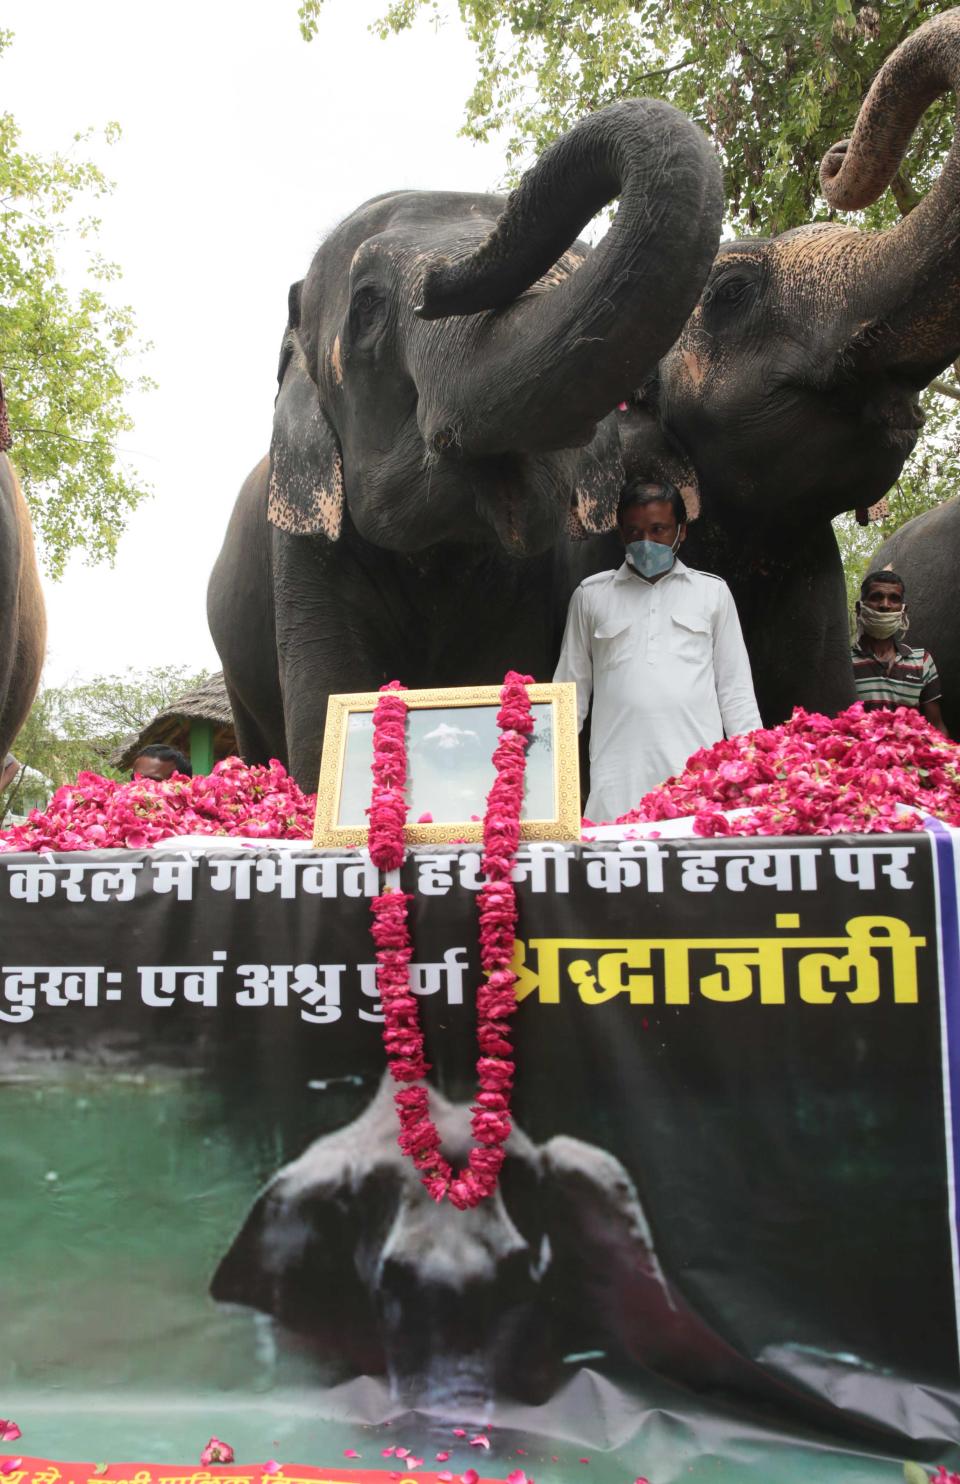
(652, 558)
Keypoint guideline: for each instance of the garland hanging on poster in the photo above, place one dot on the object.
(419, 1137)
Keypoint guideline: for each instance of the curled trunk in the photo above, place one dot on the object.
(905, 288)
(546, 367)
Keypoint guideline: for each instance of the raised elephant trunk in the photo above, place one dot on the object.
(548, 367)
(906, 280)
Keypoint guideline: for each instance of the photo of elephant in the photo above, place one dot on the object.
(23, 629)
(793, 389)
(346, 1250)
(448, 382)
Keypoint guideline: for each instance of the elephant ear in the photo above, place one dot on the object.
(305, 493)
(593, 507)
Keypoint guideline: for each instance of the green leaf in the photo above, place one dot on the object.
(914, 1474)
(101, 1468)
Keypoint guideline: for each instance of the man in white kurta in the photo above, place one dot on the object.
(662, 655)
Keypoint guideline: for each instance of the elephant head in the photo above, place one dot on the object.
(794, 384)
(450, 357)
(346, 1248)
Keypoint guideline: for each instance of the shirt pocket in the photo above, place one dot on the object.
(691, 637)
(611, 644)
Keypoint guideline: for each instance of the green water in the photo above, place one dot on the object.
(120, 1193)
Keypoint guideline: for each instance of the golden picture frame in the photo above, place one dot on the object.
(450, 765)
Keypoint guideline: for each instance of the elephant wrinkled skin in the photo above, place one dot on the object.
(23, 628)
(444, 414)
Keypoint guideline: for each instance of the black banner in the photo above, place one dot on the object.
(728, 1195)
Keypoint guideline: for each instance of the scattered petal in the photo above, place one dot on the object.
(517, 1477)
(459, 1432)
(216, 1451)
(350, 1453)
(413, 1463)
(272, 1467)
(101, 1468)
(388, 1452)
(480, 1441)
(442, 1457)
(469, 1476)
(402, 1452)
(10, 1465)
(9, 1431)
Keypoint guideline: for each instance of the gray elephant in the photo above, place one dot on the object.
(23, 628)
(792, 393)
(444, 415)
(925, 552)
(345, 1247)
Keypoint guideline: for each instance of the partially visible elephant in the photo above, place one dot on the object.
(345, 1248)
(925, 552)
(793, 388)
(445, 413)
(23, 626)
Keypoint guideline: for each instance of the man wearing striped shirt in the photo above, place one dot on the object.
(886, 671)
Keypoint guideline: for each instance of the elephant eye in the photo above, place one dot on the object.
(366, 302)
(732, 289)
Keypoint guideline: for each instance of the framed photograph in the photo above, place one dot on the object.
(451, 737)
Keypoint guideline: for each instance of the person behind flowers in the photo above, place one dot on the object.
(887, 672)
(658, 647)
(160, 762)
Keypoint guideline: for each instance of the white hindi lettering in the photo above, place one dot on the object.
(59, 987)
(92, 881)
(859, 864)
(785, 868)
(630, 864)
(196, 983)
(294, 875)
(317, 985)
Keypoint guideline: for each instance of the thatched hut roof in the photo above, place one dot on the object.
(207, 702)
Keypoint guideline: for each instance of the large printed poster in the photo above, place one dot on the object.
(724, 1242)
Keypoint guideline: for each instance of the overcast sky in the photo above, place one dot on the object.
(242, 145)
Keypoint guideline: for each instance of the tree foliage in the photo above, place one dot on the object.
(77, 727)
(64, 355)
(774, 82)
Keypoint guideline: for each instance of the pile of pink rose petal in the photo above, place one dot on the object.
(95, 813)
(857, 773)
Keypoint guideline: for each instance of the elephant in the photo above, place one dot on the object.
(23, 627)
(925, 552)
(791, 394)
(345, 1248)
(444, 415)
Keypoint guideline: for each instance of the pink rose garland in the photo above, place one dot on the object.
(496, 1001)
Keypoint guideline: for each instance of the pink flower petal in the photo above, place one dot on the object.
(402, 1452)
(216, 1451)
(442, 1457)
(517, 1477)
(446, 1478)
(9, 1465)
(480, 1441)
(350, 1453)
(459, 1432)
(9, 1431)
(272, 1467)
(469, 1476)
(413, 1463)
(388, 1452)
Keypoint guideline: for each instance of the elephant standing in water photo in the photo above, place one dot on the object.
(345, 1249)
(792, 393)
(445, 414)
(23, 627)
